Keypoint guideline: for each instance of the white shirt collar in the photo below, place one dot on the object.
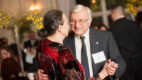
(86, 35)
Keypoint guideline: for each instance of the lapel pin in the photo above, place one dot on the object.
(97, 42)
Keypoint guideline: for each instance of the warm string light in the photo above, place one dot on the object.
(36, 7)
(31, 8)
(35, 17)
(93, 1)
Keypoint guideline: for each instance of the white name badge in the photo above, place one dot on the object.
(99, 57)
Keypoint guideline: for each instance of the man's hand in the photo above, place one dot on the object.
(111, 67)
(41, 76)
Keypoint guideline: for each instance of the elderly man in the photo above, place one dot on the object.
(100, 45)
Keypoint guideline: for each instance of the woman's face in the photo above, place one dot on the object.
(65, 26)
(5, 54)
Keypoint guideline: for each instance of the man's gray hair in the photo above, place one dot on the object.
(78, 8)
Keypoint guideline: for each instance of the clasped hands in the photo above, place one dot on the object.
(108, 69)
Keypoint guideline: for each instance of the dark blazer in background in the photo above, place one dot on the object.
(128, 37)
(29, 44)
(106, 44)
(27, 66)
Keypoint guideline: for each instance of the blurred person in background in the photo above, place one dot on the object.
(32, 42)
(103, 27)
(10, 70)
(127, 34)
(29, 55)
(3, 42)
(6, 52)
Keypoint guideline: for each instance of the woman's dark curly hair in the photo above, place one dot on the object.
(9, 67)
(51, 21)
(8, 50)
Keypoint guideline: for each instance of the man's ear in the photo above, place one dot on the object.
(115, 14)
(90, 21)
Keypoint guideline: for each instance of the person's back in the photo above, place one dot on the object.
(127, 35)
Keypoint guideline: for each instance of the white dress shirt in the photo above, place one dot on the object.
(33, 42)
(78, 45)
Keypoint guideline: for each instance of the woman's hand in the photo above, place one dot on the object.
(104, 72)
(41, 76)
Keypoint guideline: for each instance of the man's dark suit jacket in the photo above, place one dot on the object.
(29, 44)
(128, 37)
(30, 67)
(106, 44)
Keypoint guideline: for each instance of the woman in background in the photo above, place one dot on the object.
(6, 52)
(10, 70)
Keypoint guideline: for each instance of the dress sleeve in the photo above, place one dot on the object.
(81, 69)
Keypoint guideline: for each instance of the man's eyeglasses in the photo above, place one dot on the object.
(79, 21)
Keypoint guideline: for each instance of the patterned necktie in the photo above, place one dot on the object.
(84, 59)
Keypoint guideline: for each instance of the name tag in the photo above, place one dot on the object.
(99, 57)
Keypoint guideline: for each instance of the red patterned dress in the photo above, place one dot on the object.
(56, 60)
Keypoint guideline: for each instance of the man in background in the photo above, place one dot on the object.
(128, 37)
(32, 42)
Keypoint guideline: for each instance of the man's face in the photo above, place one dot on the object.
(80, 22)
(32, 36)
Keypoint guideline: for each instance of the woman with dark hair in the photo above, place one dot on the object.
(55, 59)
(10, 70)
(6, 52)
